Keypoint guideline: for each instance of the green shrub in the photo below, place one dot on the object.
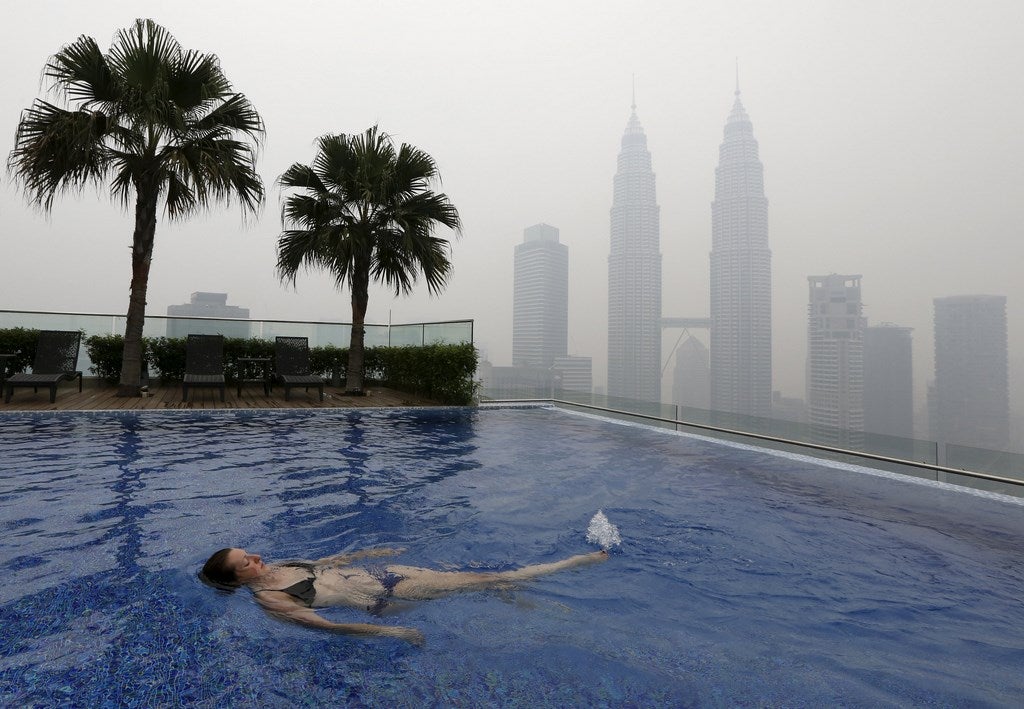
(440, 372)
(235, 347)
(21, 342)
(106, 353)
(323, 360)
(168, 357)
(443, 373)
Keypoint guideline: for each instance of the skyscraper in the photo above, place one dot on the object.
(207, 305)
(691, 385)
(835, 361)
(888, 380)
(634, 274)
(540, 300)
(972, 405)
(741, 277)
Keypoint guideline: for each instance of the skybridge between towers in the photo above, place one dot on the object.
(686, 323)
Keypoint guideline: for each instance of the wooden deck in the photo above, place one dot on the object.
(100, 396)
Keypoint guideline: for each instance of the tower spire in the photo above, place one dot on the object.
(737, 76)
(633, 105)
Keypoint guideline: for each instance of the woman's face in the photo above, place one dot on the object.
(246, 566)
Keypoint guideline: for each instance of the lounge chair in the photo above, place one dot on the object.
(56, 360)
(204, 363)
(291, 365)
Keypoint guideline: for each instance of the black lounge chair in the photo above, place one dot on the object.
(56, 360)
(291, 365)
(204, 363)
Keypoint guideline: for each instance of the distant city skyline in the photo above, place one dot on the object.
(889, 163)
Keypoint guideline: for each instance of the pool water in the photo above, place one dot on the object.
(745, 577)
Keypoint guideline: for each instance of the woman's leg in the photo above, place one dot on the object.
(419, 584)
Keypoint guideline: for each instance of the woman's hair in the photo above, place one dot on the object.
(217, 573)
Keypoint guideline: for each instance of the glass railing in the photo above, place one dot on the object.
(918, 457)
(319, 333)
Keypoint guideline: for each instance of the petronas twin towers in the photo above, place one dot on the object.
(634, 274)
(741, 363)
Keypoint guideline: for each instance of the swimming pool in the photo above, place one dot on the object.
(745, 577)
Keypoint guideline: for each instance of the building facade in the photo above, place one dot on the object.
(691, 383)
(574, 374)
(971, 398)
(835, 361)
(741, 278)
(207, 305)
(634, 274)
(540, 300)
(889, 380)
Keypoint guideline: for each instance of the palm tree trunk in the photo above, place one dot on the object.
(360, 299)
(142, 257)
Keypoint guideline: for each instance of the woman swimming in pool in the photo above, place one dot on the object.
(291, 590)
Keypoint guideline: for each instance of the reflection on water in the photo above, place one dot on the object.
(742, 577)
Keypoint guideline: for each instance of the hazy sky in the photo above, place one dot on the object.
(890, 132)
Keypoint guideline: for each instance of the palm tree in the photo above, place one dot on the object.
(366, 211)
(160, 123)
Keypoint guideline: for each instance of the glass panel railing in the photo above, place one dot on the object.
(1003, 463)
(319, 333)
(446, 333)
(455, 332)
(782, 434)
(406, 335)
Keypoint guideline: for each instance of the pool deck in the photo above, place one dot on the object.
(100, 396)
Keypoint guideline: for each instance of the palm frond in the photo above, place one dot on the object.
(364, 210)
(122, 186)
(80, 72)
(215, 170)
(142, 55)
(195, 79)
(56, 150)
(313, 249)
(181, 198)
(233, 113)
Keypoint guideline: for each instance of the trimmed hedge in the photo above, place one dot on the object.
(443, 373)
(440, 372)
(106, 351)
(21, 342)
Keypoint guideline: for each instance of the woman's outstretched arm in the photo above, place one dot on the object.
(350, 556)
(283, 607)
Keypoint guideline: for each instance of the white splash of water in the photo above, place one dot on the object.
(602, 532)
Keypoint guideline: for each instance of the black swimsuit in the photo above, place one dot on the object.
(387, 579)
(305, 591)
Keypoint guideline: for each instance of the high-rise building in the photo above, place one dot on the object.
(835, 361)
(972, 405)
(574, 374)
(540, 300)
(207, 305)
(634, 274)
(691, 385)
(741, 277)
(889, 380)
